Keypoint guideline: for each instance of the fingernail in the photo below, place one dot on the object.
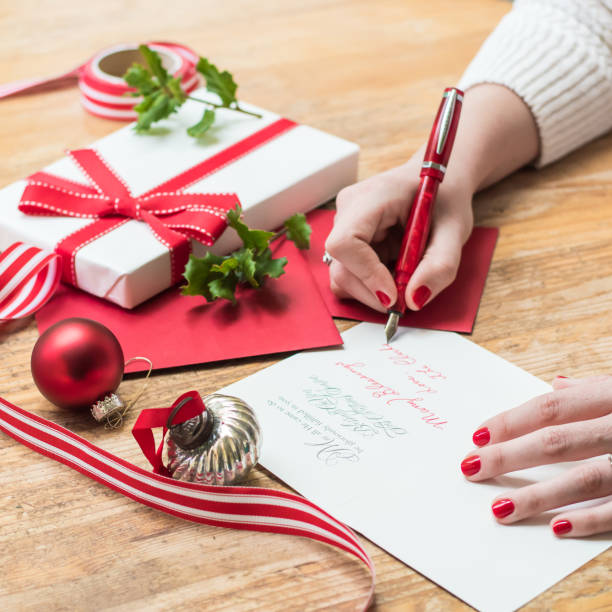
(481, 436)
(561, 376)
(383, 298)
(420, 296)
(471, 465)
(503, 508)
(561, 527)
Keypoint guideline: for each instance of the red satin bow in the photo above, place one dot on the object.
(172, 215)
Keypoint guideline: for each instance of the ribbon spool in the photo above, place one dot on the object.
(100, 80)
(103, 90)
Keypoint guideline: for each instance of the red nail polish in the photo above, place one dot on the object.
(471, 465)
(561, 376)
(503, 508)
(561, 527)
(383, 298)
(481, 436)
(420, 296)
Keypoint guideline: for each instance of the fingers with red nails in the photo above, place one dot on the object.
(572, 422)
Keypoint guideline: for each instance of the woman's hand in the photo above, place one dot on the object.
(367, 234)
(497, 134)
(572, 422)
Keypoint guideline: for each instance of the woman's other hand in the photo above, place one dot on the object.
(572, 422)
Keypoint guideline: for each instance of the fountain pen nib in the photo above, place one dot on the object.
(392, 323)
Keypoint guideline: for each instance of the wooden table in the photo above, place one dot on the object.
(370, 72)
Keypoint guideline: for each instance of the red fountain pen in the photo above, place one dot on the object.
(433, 169)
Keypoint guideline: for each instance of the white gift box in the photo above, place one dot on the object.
(294, 172)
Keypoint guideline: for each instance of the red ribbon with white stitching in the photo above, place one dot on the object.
(28, 278)
(252, 508)
(173, 215)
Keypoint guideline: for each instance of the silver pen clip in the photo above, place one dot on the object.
(445, 121)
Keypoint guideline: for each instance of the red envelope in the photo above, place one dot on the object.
(453, 310)
(287, 314)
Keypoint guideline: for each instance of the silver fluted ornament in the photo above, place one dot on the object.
(218, 447)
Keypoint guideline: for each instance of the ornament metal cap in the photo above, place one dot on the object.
(105, 408)
(191, 433)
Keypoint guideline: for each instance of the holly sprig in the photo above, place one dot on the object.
(216, 277)
(162, 94)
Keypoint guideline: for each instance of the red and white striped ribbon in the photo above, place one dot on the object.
(29, 276)
(104, 94)
(251, 508)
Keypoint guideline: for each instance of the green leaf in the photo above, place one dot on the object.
(298, 231)
(266, 266)
(155, 64)
(161, 94)
(159, 107)
(174, 86)
(246, 266)
(224, 288)
(198, 274)
(221, 83)
(228, 265)
(257, 240)
(146, 103)
(217, 277)
(201, 127)
(140, 78)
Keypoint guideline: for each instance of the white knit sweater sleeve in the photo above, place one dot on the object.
(557, 56)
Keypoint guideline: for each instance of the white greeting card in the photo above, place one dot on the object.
(374, 433)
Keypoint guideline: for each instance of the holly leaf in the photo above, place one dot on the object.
(258, 240)
(174, 86)
(266, 266)
(224, 288)
(247, 266)
(161, 94)
(198, 274)
(153, 108)
(217, 277)
(221, 83)
(138, 77)
(298, 231)
(147, 102)
(155, 64)
(202, 126)
(227, 266)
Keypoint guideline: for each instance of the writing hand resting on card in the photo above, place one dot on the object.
(496, 135)
(572, 422)
(367, 235)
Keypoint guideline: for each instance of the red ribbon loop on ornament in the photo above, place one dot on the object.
(153, 418)
(29, 276)
(173, 215)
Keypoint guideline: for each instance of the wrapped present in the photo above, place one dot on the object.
(125, 213)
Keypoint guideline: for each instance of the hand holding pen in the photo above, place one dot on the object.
(368, 229)
(432, 173)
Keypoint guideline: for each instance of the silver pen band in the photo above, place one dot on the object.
(435, 166)
(447, 93)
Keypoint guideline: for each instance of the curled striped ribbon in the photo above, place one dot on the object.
(251, 508)
(29, 276)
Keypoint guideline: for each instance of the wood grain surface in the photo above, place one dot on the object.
(371, 72)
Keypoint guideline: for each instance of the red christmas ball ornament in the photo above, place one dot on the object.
(77, 363)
